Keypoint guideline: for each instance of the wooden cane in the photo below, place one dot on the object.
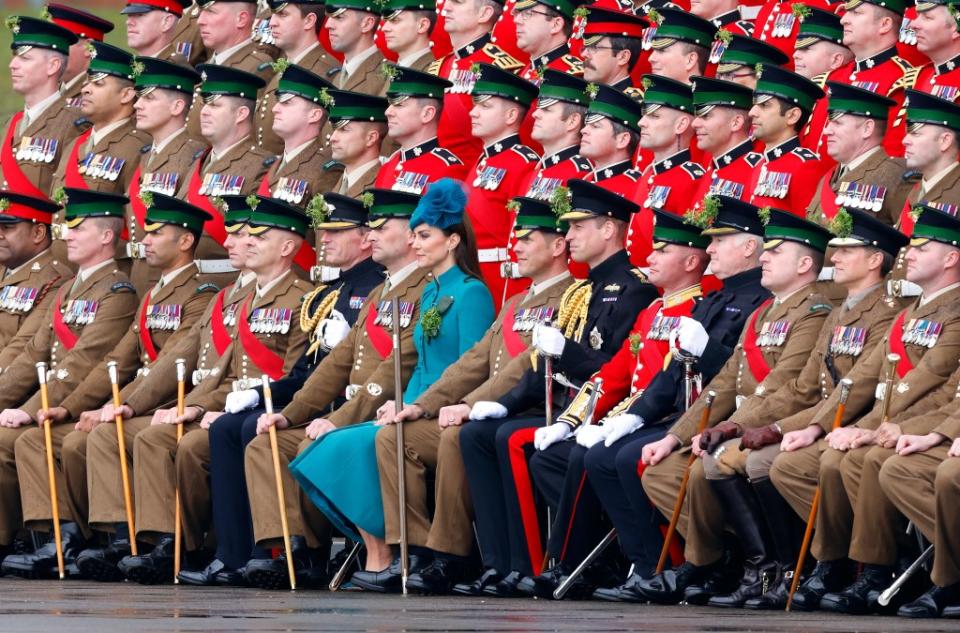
(51, 477)
(682, 493)
(845, 385)
(401, 464)
(122, 446)
(278, 475)
(177, 519)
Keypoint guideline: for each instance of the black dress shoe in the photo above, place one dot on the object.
(43, 562)
(101, 563)
(153, 568)
(932, 603)
(272, 573)
(390, 579)
(216, 573)
(436, 578)
(489, 578)
(722, 580)
(858, 598)
(826, 577)
(506, 587)
(624, 593)
(545, 584)
(776, 590)
(668, 586)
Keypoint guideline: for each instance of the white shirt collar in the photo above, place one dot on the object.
(859, 160)
(99, 135)
(354, 175)
(537, 288)
(927, 298)
(927, 185)
(84, 273)
(397, 278)
(351, 65)
(408, 60)
(33, 113)
(261, 292)
(220, 58)
(169, 277)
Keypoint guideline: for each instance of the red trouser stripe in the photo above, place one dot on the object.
(521, 481)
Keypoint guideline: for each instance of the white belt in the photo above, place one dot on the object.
(242, 384)
(488, 255)
(324, 274)
(903, 288)
(826, 274)
(199, 375)
(351, 391)
(143, 371)
(136, 250)
(59, 231)
(510, 270)
(214, 266)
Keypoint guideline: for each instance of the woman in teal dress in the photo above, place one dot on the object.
(339, 470)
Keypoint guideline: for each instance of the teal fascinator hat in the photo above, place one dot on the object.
(442, 205)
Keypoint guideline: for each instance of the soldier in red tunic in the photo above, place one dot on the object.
(501, 100)
(778, 24)
(682, 44)
(936, 35)
(670, 181)
(787, 176)
(738, 58)
(412, 116)
(612, 47)
(610, 137)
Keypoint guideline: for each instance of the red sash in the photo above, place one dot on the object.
(511, 338)
(214, 228)
(897, 347)
(264, 188)
(145, 339)
(66, 337)
(218, 329)
(755, 360)
(828, 199)
(136, 204)
(905, 224)
(381, 339)
(267, 361)
(72, 177)
(9, 167)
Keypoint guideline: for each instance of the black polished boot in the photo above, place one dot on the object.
(507, 587)
(858, 598)
(310, 568)
(743, 514)
(489, 578)
(438, 576)
(390, 579)
(43, 562)
(723, 579)
(627, 592)
(827, 576)
(668, 586)
(932, 603)
(153, 568)
(543, 585)
(216, 573)
(785, 531)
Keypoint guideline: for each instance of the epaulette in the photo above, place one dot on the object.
(574, 64)
(902, 63)
(82, 121)
(527, 153)
(434, 67)
(446, 156)
(582, 163)
(633, 174)
(501, 58)
(333, 71)
(911, 175)
(694, 169)
(146, 148)
(634, 93)
(746, 25)
(262, 67)
(821, 79)
(906, 81)
(753, 158)
(199, 153)
(123, 286)
(331, 164)
(820, 304)
(804, 154)
(269, 160)
(639, 274)
(208, 287)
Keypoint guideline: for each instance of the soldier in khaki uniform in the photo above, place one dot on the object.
(295, 27)
(921, 481)
(35, 139)
(202, 348)
(31, 275)
(359, 124)
(865, 248)
(360, 369)
(164, 90)
(859, 519)
(489, 370)
(265, 341)
(87, 319)
(931, 145)
(352, 25)
(159, 28)
(87, 27)
(166, 313)
(772, 349)
(233, 166)
(407, 27)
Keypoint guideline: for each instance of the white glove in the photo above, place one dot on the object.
(587, 436)
(880, 391)
(621, 426)
(547, 436)
(333, 330)
(548, 340)
(238, 401)
(486, 410)
(691, 336)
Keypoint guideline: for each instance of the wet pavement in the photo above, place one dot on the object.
(75, 606)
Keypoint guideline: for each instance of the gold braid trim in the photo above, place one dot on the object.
(572, 315)
(309, 323)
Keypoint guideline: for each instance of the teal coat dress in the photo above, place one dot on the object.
(339, 470)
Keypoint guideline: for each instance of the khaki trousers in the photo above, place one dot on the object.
(104, 479)
(877, 525)
(427, 447)
(69, 450)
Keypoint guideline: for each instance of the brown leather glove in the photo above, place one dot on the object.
(760, 437)
(711, 438)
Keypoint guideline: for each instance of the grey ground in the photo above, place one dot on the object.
(75, 606)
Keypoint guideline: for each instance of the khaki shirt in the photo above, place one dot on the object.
(57, 123)
(877, 170)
